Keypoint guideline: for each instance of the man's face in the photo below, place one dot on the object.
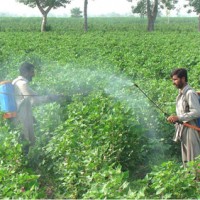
(178, 82)
(30, 74)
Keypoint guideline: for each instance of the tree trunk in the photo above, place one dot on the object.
(150, 26)
(151, 14)
(44, 23)
(44, 15)
(199, 22)
(85, 16)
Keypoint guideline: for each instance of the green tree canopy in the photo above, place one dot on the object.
(194, 6)
(140, 8)
(76, 12)
(45, 6)
(150, 8)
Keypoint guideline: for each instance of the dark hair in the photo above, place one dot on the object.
(26, 67)
(180, 72)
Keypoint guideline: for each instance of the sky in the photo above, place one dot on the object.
(95, 8)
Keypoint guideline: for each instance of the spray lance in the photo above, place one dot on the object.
(166, 114)
(53, 97)
(8, 104)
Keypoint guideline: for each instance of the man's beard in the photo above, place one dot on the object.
(180, 85)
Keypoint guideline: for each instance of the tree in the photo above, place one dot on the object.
(195, 4)
(45, 6)
(140, 8)
(85, 16)
(76, 12)
(151, 7)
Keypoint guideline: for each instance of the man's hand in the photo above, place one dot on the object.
(172, 119)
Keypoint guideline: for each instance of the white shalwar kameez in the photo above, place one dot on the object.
(188, 110)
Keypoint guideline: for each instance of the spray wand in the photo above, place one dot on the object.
(167, 115)
(54, 96)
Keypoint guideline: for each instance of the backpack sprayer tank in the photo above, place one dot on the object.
(7, 99)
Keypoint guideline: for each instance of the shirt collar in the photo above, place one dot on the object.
(22, 78)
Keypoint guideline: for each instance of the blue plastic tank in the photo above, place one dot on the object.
(7, 99)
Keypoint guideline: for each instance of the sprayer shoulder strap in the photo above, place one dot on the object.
(186, 94)
(187, 104)
(23, 80)
(185, 99)
(14, 82)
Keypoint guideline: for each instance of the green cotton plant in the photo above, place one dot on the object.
(108, 183)
(16, 180)
(169, 181)
(95, 139)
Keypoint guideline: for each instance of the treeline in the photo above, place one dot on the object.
(32, 24)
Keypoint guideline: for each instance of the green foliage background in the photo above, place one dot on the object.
(109, 141)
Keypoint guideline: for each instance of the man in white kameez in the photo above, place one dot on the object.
(187, 110)
(25, 99)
